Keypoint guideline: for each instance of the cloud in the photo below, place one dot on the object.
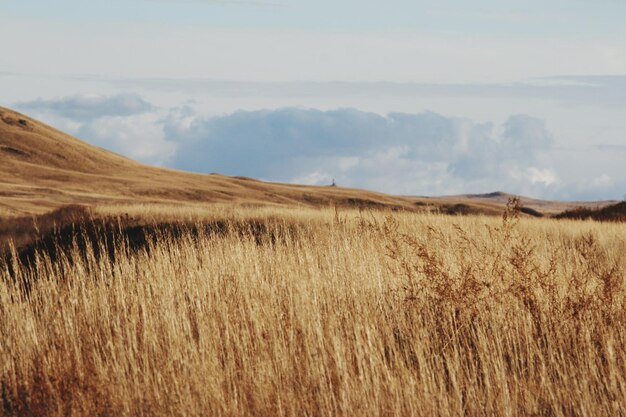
(600, 187)
(598, 90)
(603, 180)
(85, 107)
(611, 147)
(422, 153)
(123, 123)
(401, 153)
(140, 137)
(541, 176)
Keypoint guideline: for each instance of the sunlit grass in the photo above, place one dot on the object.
(332, 313)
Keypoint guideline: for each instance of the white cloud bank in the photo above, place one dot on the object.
(90, 107)
(402, 153)
(424, 153)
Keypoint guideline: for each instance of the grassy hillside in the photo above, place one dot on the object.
(323, 313)
(43, 169)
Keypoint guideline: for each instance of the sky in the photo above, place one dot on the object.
(415, 97)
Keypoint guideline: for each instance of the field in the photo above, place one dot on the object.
(320, 312)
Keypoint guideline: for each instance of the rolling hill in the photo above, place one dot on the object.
(42, 169)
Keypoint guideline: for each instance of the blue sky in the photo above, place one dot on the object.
(411, 97)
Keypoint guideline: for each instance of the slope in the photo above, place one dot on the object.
(42, 169)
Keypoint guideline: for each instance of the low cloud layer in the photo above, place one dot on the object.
(420, 154)
(402, 153)
(123, 123)
(87, 108)
(612, 148)
(599, 90)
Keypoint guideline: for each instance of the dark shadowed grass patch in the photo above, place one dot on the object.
(24, 230)
(612, 213)
(71, 234)
(531, 211)
(458, 209)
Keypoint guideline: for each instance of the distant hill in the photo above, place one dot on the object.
(532, 206)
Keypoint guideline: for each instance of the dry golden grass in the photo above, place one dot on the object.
(327, 313)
